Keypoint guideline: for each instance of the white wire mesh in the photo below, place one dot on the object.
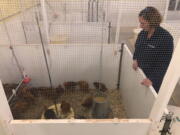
(79, 31)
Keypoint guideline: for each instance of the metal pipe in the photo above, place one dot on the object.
(17, 88)
(24, 32)
(109, 33)
(97, 8)
(120, 64)
(44, 53)
(89, 11)
(45, 58)
(92, 11)
(45, 19)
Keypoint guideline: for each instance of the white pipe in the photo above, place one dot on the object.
(168, 85)
(15, 91)
(5, 113)
(118, 25)
(166, 10)
(45, 20)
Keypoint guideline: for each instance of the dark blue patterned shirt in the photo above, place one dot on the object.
(154, 54)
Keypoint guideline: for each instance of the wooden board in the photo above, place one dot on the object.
(137, 99)
(81, 127)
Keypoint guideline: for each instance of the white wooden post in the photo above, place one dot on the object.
(166, 10)
(45, 20)
(118, 26)
(170, 80)
(5, 113)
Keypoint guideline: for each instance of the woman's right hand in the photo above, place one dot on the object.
(135, 65)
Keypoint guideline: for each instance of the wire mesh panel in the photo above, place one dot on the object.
(79, 33)
(72, 70)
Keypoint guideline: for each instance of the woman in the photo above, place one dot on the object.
(153, 48)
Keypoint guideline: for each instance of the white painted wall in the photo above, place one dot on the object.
(159, 4)
(81, 62)
(137, 99)
(67, 63)
(129, 11)
(93, 32)
(76, 12)
(81, 127)
(5, 114)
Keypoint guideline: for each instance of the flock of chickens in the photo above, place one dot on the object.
(26, 96)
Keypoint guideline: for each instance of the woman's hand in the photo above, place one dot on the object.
(135, 65)
(146, 82)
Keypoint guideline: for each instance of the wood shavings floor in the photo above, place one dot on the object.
(35, 109)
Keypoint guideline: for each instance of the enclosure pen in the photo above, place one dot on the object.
(66, 67)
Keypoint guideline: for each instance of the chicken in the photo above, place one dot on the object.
(100, 86)
(84, 86)
(19, 106)
(38, 91)
(88, 102)
(70, 85)
(65, 107)
(59, 90)
(25, 94)
(56, 93)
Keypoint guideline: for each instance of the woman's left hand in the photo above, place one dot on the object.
(146, 82)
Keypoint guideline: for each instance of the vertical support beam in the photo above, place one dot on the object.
(45, 20)
(5, 113)
(22, 10)
(170, 80)
(166, 10)
(120, 65)
(118, 26)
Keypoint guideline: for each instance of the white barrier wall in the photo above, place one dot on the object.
(5, 113)
(66, 63)
(8, 69)
(137, 99)
(81, 127)
(94, 32)
(82, 62)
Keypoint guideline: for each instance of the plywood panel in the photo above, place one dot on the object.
(9, 72)
(81, 32)
(66, 63)
(81, 127)
(5, 113)
(11, 7)
(137, 99)
(82, 62)
(32, 60)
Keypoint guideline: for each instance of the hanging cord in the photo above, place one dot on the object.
(101, 54)
(45, 58)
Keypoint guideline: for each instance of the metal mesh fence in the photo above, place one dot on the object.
(63, 53)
